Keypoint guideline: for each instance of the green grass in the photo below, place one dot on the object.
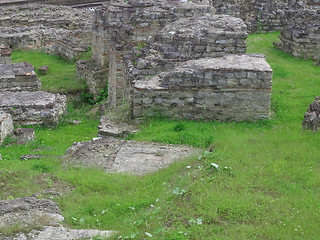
(267, 185)
(61, 77)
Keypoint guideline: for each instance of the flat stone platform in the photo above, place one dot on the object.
(29, 108)
(116, 155)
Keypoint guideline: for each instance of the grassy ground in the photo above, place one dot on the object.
(61, 76)
(261, 180)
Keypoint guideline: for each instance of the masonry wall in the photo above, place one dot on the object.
(231, 88)
(5, 55)
(301, 35)
(58, 30)
(18, 77)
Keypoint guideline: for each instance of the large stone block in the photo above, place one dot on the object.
(18, 77)
(6, 125)
(233, 88)
(28, 108)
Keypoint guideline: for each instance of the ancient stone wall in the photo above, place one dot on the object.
(121, 26)
(301, 34)
(30, 108)
(5, 55)
(262, 15)
(59, 30)
(222, 84)
(18, 77)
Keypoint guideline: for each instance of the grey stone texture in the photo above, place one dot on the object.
(59, 30)
(39, 219)
(18, 77)
(119, 26)
(96, 76)
(301, 34)
(311, 119)
(233, 87)
(24, 135)
(262, 15)
(116, 155)
(43, 70)
(5, 55)
(6, 125)
(145, 44)
(28, 108)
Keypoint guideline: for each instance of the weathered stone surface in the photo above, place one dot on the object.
(96, 76)
(60, 30)
(301, 34)
(311, 119)
(120, 26)
(43, 70)
(233, 87)
(116, 155)
(39, 219)
(6, 125)
(18, 77)
(29, 108)
(5, 55)
(112, 127)
(24, 135)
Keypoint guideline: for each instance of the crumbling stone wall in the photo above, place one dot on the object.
(301, 34)
(197, 69)
(5, 55)
(60, 30)
(179, 58)
(120, 26)
(262, 15)
(18, 77)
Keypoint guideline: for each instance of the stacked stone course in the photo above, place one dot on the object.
(5, 55)
(18, 77)
(59, 30)
(174, 57)
(301, 35)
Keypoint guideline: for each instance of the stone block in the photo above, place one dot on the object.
(6, 125)
(5, 55)
(43, 70)
(222, 97)
(18, 77)
(29, 108)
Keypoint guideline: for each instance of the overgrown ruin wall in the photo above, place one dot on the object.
(301, 34)
(262, 15)
(145, 46)
(60, 30)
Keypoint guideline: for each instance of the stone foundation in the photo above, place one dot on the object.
(301, 35)
(29, 108)
(59, 30)
(18, 77)
(5, 55)
(96, 76)
(6, 125)
(121, 26)
(230, 88)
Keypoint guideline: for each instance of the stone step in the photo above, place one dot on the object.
(29, 108)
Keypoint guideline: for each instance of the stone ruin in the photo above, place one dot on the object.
(5, 55)
(311, 119)
(21, 96)
(180, 59)
(301, 34)
(60, 30)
